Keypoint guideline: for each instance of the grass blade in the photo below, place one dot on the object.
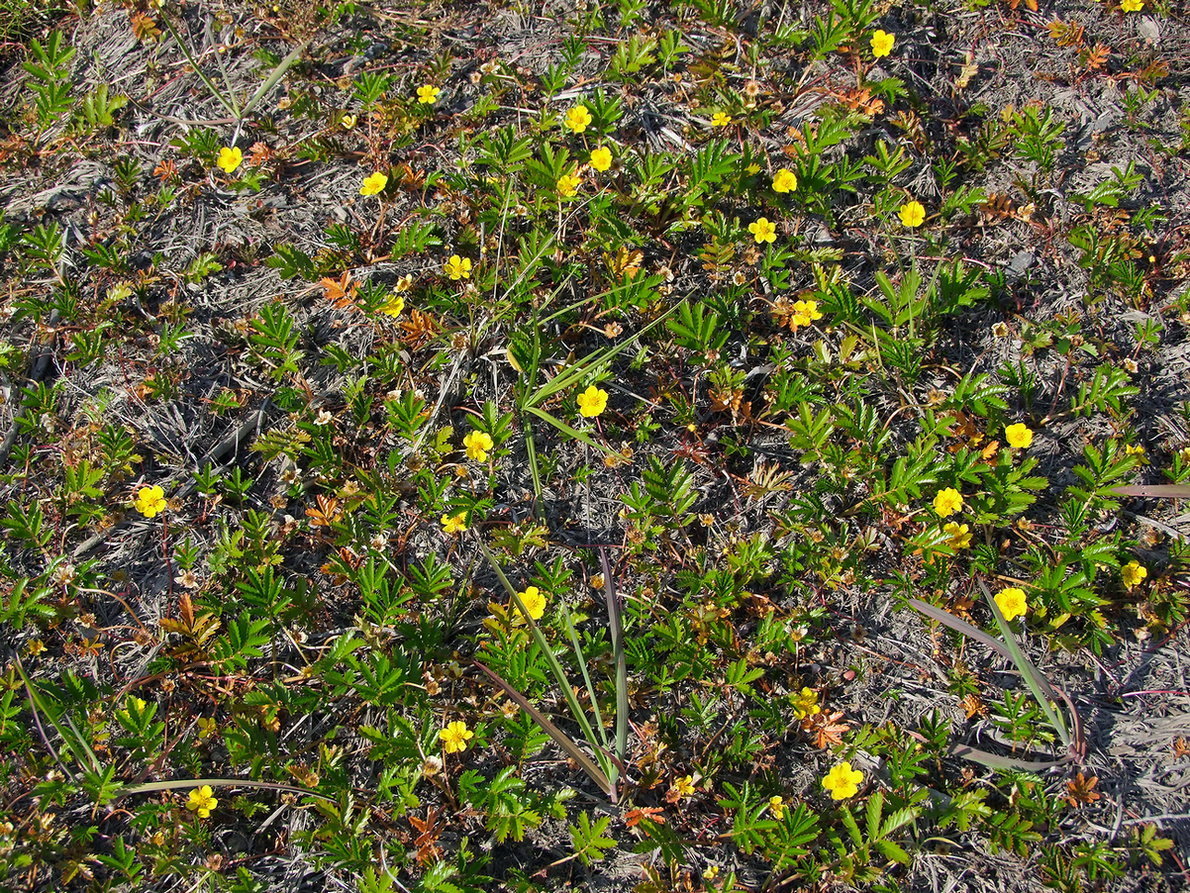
(1042, 692)
(279, 72)
(563, 740)
(615, 624)
(576, 710)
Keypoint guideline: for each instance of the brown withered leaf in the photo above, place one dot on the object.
(145, 27)
(427, 837)
(326, 513)
(633, 817)
(825, 729)
(340, 292)
(1066, 34)
(1095, 57)
(1080, 790)
(974, 707)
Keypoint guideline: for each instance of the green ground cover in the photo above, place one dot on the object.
(651, 446)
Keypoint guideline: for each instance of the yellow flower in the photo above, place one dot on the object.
(201, 801)
(229, 159)
(150, 501)
(912, 214)
(843, 781)
(947, 502)
(784, 180)
(207, 726)
(1132, 5)
(682, 787)
(477, 444)
(458, 267)
(1011, 602)
(591, 402)
(763, 230)
(1133, 573)
(533, 601)
(578, 118)
(882, 43)
(1018, 436)
(427, 94)
(804, 313)
(393, 305)
(568, 185)
(348, 121)
(720, 119)
(601, 158)
(777, 806)
(805, 703)
(958, 535)
(456, 523)
(373, 184)
(455, 736)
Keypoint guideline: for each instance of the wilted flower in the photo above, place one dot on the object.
(777, 806)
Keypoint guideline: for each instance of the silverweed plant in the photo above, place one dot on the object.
(664, 446)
